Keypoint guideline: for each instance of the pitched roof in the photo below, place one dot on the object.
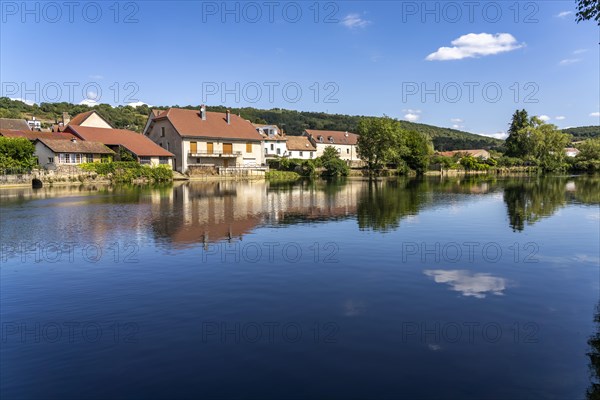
(13, 123)
(136, 143)
(80, 118)
(188, 123)
(338, 137)
(299, 143)
(76, 146)
(33, 135)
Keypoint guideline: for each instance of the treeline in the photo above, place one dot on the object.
(583, 132)
(292, 122)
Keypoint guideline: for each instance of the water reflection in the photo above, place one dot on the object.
(593, 392)
(469, 284)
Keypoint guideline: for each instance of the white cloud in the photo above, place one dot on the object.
(560, 118)
(88, 102)
(569, 61)
(469, 284)
(354, 21)
(595, 114)
(456, 120)
(475, 45)
(412, 115)
(564, 14)
(544, 118)
(455, 126)
(28, 102)
(138, 103)
(498, 135)
(580, 51)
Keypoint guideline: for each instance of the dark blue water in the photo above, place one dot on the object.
(472, 288)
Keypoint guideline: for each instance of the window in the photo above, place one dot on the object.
(50, 160)
(162, 131)
(163, 160)
(300, 153)
(321, 139)
(168, 146)
(89, 158)
(347, 151)
(278, 151)
(160, 144)
(266, 152)
(272, 146)
(331, 139)
(248, 147)
(144, 160)
(209, 147)
(311, 154)
(194, 147)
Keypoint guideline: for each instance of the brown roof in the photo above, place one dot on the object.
(12, 123)
(76, 146)
(189, 123)
(136, 143)
(58, 127)
(299, 143)
(339, 137)
(473, 153)
(33, 135)
(80, 118)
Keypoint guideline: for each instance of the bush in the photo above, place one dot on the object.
(16, 153)
(127, 171)
(282, 176)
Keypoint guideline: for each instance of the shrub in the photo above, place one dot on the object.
(127, 171)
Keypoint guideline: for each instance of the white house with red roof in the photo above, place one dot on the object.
(344, 142)
(199, 138)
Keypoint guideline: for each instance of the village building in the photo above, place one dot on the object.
(571, 151)
(140, 147)
(201, 139)
(55, 152)
(300, 147)
(344, 142)
(274, 141)
(477, 153)
(14, 124)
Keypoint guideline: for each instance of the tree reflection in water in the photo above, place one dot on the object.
(593, 392)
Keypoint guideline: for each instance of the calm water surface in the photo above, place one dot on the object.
(472, 288)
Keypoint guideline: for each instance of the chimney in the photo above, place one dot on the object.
(228, 117)
(65, 118)
(203, 112)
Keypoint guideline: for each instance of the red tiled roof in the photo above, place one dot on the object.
(80, 118)
(136, 143)
(299, 143)
(33, 135)
(189, 124)
(14, 123)
(339, 137)
(77, 146)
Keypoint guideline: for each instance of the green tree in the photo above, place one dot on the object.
(588, 158)
(546, 144)
(418, 150)
(16, 153)
(515, 143)
(588, 9)
(333, 164)
(379, 141)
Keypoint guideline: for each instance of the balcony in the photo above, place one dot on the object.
(214, 154)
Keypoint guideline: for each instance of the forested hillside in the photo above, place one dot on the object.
(583, 132)
(292, 122)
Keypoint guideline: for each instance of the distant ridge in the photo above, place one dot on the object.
(293, 122)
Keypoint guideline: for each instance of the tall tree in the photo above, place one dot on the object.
(545, 143)
(588, 9)
(515, 142)
(379, 142)
(418, 150)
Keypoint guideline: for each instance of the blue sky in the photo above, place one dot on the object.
(419, 61)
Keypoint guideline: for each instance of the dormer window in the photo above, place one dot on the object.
(331, 139)
(321, 139)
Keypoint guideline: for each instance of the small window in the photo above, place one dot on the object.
(347, 151)
(163, 160)
(272, 146)
(144, 160)
(90, 158)
(162, 131)
(300, 153)
(50, 160)
(311, 154)
(278, 151)
(249, 147)
(168, 146)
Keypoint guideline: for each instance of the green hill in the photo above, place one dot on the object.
(583, 132)
(292, 122)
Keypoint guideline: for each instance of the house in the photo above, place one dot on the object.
(14, 124)
(477, 153)
(142, 148)
(89, 118)
(273, 140)
(571, 152)
(300, 147)
(54, 152)
(34, 124)
(199, 138)
(343, 142)
(34, 135)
